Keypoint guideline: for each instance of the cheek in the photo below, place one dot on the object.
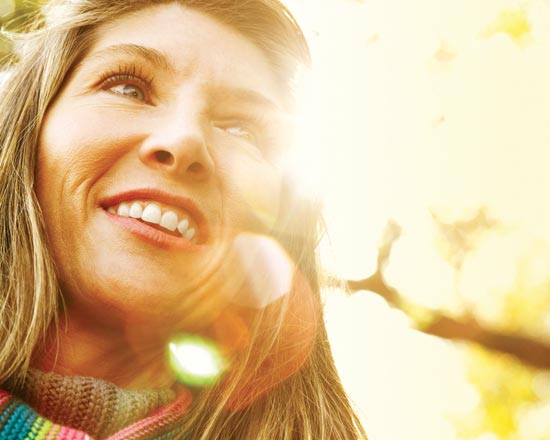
(72, 155)
(253, 189)
(77, 146)
(50, 169)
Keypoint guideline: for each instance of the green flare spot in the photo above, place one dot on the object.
(196, 361)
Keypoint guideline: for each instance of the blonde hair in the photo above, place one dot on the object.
(309, 404)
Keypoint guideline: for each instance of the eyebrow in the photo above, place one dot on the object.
(156, 57)
(249, 96)
(162, 61)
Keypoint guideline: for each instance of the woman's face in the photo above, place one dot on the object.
(171, 117)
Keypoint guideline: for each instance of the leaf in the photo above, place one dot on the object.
(512, 22)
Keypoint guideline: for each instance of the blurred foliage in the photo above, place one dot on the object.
(505, 385)
(505, 388)
(513, 22)
(460, 237)
(503, 325)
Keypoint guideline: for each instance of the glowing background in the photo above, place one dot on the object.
(435, 106)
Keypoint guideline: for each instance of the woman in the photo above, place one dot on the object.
(144, 199)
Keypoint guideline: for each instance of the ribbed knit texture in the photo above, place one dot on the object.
(55, 407)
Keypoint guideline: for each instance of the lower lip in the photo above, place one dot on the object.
(153, 236)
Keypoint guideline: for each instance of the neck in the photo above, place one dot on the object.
(79, 346)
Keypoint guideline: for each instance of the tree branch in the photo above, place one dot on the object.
(466, 328)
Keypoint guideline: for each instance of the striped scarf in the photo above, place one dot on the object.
(55, 407)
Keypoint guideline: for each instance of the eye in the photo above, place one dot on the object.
(130, 90)
(130, 81)
(245, 130)
(253, 131)
(242, 132)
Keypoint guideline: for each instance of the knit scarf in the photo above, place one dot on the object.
(50, 406)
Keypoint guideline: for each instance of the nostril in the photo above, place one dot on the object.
(164, 157)
(195, 168)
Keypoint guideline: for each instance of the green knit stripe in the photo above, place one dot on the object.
(40, 429)
(35, 428)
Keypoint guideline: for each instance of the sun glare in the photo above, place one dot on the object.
(196, 361)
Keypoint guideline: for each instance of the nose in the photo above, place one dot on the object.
(178, 148)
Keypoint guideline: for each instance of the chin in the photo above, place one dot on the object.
(155, 295)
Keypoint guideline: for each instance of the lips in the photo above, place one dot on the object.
(168, 217)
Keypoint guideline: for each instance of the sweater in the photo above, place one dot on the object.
(50, 406)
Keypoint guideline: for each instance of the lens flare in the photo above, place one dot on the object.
(195, 360)
(265, 269)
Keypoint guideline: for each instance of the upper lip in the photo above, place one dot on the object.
(165, 197)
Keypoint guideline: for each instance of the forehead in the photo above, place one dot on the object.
(195, 46)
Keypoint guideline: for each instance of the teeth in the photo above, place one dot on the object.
(123, 210)
(169, 220)
(136, 210)
(183, 225)
(152, 214)
(189, 234)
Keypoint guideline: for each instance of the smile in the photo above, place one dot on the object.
(151, 212)
(167, 215)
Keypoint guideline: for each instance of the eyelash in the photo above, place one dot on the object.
(127, 74)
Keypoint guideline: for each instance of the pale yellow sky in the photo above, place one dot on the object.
(417, 106)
